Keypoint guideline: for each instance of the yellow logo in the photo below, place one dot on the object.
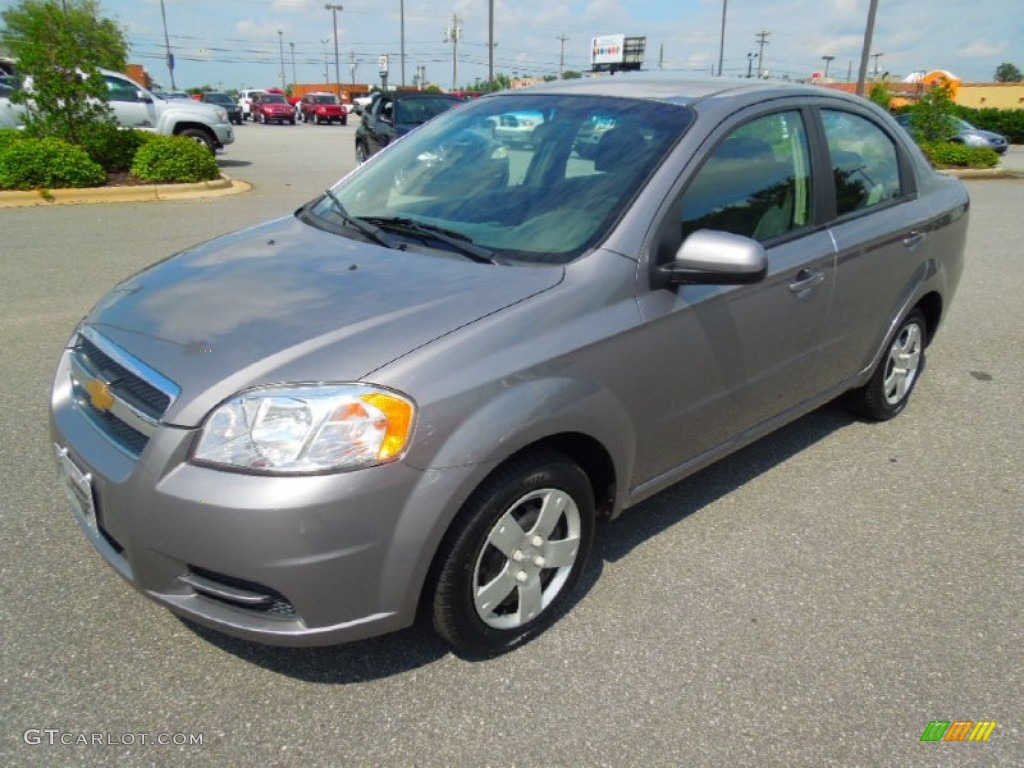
(100, 396)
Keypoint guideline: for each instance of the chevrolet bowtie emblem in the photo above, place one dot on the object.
(100, 396)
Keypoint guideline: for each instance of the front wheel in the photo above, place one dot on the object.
(514, 554)
(893, 380)
(199, 136)
(361, 154)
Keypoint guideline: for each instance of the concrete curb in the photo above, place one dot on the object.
(982, 173)
(136, 194)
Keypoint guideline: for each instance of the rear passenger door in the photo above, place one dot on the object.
(880, 227)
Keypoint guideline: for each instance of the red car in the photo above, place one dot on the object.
(322, 108)
(272, 107)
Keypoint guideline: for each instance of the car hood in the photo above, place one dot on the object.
(286, 302)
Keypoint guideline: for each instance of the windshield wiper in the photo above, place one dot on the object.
(374, 233)
(454, 240)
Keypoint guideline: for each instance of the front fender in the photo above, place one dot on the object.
(509, 419)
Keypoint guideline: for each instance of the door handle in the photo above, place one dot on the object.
(806, 279)
(913, 239)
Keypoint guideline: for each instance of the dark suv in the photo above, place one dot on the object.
(224, 100)
(391, 115)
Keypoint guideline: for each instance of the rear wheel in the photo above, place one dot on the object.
(361, 154)
(514, 555)
(893, 380)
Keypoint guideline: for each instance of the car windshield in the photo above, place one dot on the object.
(545, 199)
(417, 111)
(326, 99)
(272, 98)
(218, 98)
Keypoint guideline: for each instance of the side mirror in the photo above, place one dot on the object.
(710, 257)
(143, 96)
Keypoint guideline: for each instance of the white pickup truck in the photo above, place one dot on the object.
(135, 107)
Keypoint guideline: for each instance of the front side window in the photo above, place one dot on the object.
(865, 164)
(543, 190)
(756, 183)
(121, 90)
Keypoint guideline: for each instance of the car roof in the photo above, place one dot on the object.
(680, 88)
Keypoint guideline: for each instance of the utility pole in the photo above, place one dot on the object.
(762, 41)
(869, 32)
(828, 60)
(561, 57)
(452, 35)
(401, 13)
(750, 63)
(323, 44)
(352, 65)
(295, 78)
(875, 57)
(661, 56)
(167, 43)
(721, 43)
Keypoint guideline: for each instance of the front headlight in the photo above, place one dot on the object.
(307, 428)
(221, 113)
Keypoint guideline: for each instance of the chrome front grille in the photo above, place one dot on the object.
(120, 394)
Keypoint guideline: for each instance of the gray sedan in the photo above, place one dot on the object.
(418, 394)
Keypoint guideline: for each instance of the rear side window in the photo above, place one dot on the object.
(865, 164)
(756, 183)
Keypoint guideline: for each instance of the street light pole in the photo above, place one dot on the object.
(401, 11)
(721, 43)
(337, 63)
(828, 60)
(280, 42)
(869, 32)
(295, 78)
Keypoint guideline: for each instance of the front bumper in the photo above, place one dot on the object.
(224, 132)
(309, 560)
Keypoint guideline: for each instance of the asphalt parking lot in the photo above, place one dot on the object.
(816, 599)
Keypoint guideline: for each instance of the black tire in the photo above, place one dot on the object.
(291, 121)
(893, 380)
(512, 558)
(199, 136)
(362, 155)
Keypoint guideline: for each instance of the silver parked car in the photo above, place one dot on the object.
(417, 394)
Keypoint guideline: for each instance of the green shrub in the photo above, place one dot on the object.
(111, 147)
(948, 154)
(29, 163)
(9, 135)
(174, 159)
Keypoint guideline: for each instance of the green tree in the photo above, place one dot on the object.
(571, 74)
(59, 47)
(1008, 73)
(932, 119)
(881, 94)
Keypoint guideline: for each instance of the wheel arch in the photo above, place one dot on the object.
(931, 307)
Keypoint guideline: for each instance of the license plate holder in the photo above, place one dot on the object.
(77, 486)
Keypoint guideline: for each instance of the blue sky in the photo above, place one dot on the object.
(235, 43)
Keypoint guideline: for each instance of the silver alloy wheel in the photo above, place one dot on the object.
(527, 559)
(903, 364)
